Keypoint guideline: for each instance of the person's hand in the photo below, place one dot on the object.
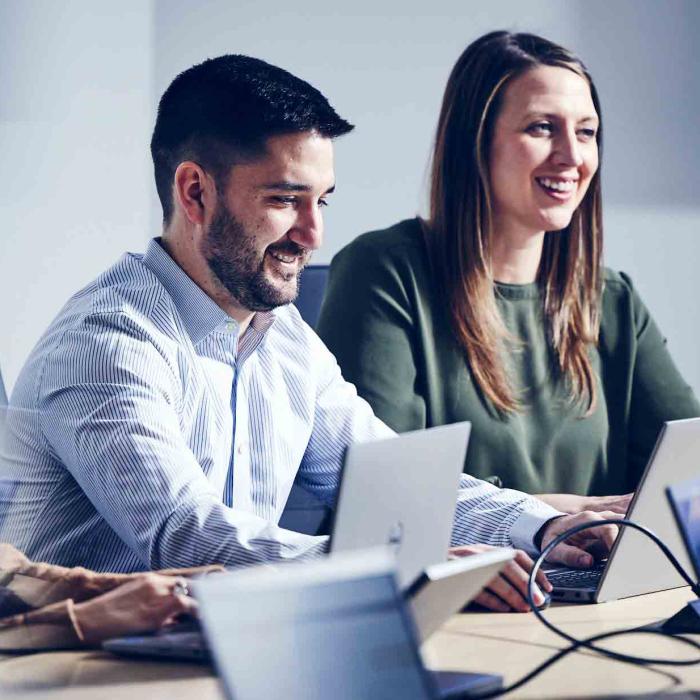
(143, 605)
(580, 550)
(507, 592)
(570, 503)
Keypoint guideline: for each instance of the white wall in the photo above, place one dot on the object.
(80, 90)
(75, 117)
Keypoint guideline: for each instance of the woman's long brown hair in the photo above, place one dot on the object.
(459, 233)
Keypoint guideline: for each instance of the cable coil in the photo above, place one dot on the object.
(589, 642)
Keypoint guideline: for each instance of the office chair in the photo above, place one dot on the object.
(304, 512)
(312, 289)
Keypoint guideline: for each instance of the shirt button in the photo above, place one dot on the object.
(240, 449)
(230, 326)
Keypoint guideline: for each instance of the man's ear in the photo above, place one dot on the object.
(194, 192)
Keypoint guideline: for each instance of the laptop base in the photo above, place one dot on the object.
(568, 595)
(458, 684)
(191, 647)
(685, 621)
(575, 585)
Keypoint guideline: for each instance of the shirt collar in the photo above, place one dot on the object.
(199, 312)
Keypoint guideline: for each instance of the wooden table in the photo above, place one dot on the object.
(510, 644)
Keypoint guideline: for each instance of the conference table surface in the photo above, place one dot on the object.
(509, 644)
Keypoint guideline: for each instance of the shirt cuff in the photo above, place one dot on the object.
(528, 524)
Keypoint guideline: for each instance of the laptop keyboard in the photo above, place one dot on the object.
(576, 578)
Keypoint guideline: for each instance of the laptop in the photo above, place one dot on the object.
(684, 500)
(402, 491)
(440, 592)
(635, 565)
(335, 628)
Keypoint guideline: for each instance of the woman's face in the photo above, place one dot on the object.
(543, 151)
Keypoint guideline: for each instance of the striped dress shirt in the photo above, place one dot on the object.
(144, 433)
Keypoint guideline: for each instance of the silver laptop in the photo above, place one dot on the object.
(399, 492)
(402, 491)
(635, 565)
(440, 592)
(684, 501)
(335, 628)
(443, 589)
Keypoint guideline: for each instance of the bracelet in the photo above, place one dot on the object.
(70, 607)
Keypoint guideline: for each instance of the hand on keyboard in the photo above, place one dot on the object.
(581, 550)
(507, 591)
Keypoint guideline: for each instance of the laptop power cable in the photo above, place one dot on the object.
(687, 620)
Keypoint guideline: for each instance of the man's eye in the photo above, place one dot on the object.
(323, 202)
(284, 199)
(540, 128)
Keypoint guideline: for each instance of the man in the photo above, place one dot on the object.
(163, 416)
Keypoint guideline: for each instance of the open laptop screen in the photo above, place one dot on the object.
(684, 499)
(335, 628)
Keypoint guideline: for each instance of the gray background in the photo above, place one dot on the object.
(80, 83)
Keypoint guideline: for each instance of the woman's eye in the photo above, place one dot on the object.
(586, 134)
(540, 128)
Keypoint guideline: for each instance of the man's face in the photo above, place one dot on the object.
(269, 220)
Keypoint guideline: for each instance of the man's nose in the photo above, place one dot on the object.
(308, 228)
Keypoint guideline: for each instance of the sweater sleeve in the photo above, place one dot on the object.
(659, 392)
(367, 323)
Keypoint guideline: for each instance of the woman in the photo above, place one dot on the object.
(45, 606)
(497, 309)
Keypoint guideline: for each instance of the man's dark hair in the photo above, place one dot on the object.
(222, 111)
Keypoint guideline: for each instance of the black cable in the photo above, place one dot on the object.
(565, 652)
(589, 642)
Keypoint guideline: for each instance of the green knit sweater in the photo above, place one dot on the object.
(386, 324)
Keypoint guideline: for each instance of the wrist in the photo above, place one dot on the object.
(539, 535)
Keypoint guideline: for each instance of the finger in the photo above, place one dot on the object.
(612, 504)
(571, 556)
(623, 502)
(490, 601)
(508, 593)
(610, 515)
(187, 605)
(605, 534)
(181, 587)
(518, 577)
(526, 563)
(466, 549)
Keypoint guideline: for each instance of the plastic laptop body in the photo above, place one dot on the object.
(336, 628)
(402, 492)
(635, 565)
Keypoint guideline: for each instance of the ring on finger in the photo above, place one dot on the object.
(181, 588)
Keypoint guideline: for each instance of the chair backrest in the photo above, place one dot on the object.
(304, 512)
(312, 289)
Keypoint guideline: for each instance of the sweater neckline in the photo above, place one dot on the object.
(531, 290)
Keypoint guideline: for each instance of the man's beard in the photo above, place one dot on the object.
(235, 261)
